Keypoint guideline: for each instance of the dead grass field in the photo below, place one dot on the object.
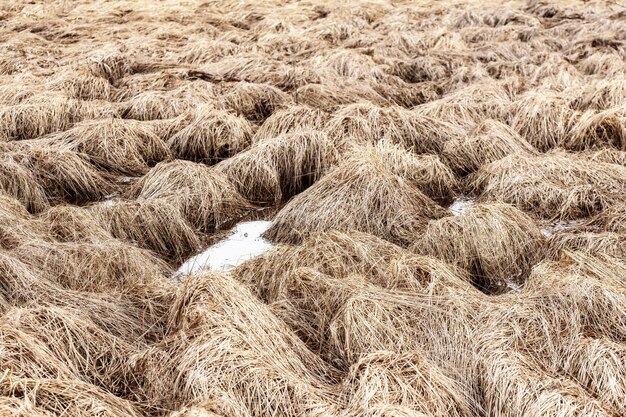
(445, 181)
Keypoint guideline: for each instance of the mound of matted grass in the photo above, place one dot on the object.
(407, 380)
(344, 254)
(255, 102)
(66, 223)
(123, 146)
(211, 136)
(497, 243)
(544, 119)
(223, 340)
(156, 224)
(370, 197)
(207, 199)
(551, 185)
(277, 168)
(489, 141)
(290, 119)
(598, 130)
(367, 123)
(101, 266)
(44, 397)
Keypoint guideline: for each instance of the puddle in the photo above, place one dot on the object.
(549, 229)
(461, 204)
(244, 243)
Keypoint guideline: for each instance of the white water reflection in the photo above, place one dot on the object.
(244, 243)
(461, 204)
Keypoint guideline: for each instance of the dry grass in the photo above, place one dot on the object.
(497, 243)
(122, 146)
(102, 266)
(255, 102)
(551, 185)
(155, 224)
(135, 135)
(545, 120)
(370, 197)
(206, 198)
(281, 167)
(211, 136)
(488, 142)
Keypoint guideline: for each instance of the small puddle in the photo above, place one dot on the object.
(244, 243)
(461, 204)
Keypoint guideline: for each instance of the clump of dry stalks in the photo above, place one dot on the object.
(205, 196)
(370, 197)
(123, 146)
(211, 136)
(129, 135)
(156, 224)
(275, 169)
(497, 243)
(551, 185)
(488, 142)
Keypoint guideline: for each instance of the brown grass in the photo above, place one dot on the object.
(371, 198)
(497, 243)
(206, 198)
(551, 185)
(156, 224)
(488, 142)
(136, 135)
(278, 168)
(122, 146)
(211, 136)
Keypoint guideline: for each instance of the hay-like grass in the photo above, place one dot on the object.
(48, 396)
(590, 286)
(408, 380)
(136, 316)
(497, 243)
(613, 219)
(255, 102)
(608, 155)
(545, 120)
(206, 198)
(16, 224)
(610, 243)
(290, 119)
(469, 105)
(66, 175)
(110, 63)
(332, 97)
(122, 146)
(599, 365)
(426, 172)
(66, 223)
(596, 130)
(32, 120)
(153, 104)
(551, 185)
(490, 141)
(155, 224)
(513, 386)
(601, 94)
(96, 267)
(230, 342)
(370, 197)
(366, 123)
(21, 183)
(211, 135)
(50, 342)
(81, 84)
(278, 168)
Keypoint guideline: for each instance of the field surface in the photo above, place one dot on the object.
(312, 208)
